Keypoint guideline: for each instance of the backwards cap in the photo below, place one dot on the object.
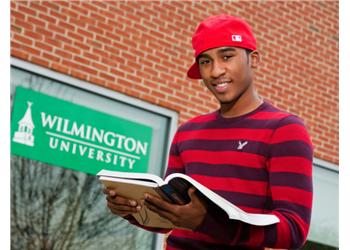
(220, 31)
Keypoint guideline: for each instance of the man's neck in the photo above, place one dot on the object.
(246, 103)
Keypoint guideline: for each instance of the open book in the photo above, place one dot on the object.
(173, 189)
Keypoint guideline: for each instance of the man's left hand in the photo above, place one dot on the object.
(188, 216)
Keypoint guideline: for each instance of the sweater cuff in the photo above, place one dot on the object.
(217, 225)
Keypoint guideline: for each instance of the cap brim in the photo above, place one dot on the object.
(193, 72)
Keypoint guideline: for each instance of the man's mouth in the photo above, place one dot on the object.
(221, 86)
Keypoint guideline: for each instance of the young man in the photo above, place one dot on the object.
(251, 153)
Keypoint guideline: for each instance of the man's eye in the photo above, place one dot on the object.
(203, 62)
(227, 57)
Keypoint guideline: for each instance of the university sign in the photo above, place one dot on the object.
(65, 134)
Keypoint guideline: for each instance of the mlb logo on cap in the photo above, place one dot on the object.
(236, 38)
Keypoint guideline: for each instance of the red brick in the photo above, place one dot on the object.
(69, 12)
(100, 52)
(78, 8)
(94, 29)
(71, 49)
(93, 44)
(131, 92)
(47, 18)
(99, 66)
(64, 54)
(15, 29)
(158, 94)
(50, 57)
(60, 16)
(78, 23)
(96, 80)
(24, 9)
(103, 39)
(90, 56)
(17, 14)
(81, 45)
(97, 17)
(22, 39)
(113, 36)
(82, 60)
(19, 53)
(51, 5)
(33, 35)
(55, 28)
(36, 21)
(22, 24)
(117, 72)
(107, 76)
(61, 38)
(149, 98)
(59, 67)
(43, 31)
(43, 46)
(40, 61)
(66, 26)
(79, 74)
(75, 35)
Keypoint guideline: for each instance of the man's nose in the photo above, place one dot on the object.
(218, 69)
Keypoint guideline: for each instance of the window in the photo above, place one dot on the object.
(55, 207)
(324, 229)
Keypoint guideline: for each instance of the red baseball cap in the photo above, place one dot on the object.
(220, 31)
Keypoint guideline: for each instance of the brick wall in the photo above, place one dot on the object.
(143, 49)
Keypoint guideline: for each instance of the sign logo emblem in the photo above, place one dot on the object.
(24, 134)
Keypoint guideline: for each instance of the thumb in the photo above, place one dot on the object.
(191, 193)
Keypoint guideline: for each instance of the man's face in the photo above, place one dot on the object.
(226, 71)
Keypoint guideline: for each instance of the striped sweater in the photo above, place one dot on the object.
(261, 162)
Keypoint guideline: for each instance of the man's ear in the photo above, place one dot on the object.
(254, 57)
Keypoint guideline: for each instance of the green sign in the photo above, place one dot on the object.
(61, 133)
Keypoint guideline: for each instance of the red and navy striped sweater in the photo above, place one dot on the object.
(261, 162)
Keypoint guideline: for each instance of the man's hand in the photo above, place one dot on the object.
(120, 205)
(187, 216)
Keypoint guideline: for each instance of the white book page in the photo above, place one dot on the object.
(130, 181)
(127, 175)
(232, 211)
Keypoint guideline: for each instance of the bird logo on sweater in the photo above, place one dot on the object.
(241, 145)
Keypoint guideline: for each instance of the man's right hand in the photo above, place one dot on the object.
(120, 205)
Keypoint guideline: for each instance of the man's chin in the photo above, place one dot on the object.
(228, 101)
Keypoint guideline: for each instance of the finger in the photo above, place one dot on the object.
(191, 193)
(123, 208)
(119, 200)
(195, 198)
(159, 211)
(109, 191)
(121, 213)
(163, 205)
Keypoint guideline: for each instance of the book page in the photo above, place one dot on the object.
(136, 176)
(232, 211)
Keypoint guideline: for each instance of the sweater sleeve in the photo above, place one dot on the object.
(289, 167)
